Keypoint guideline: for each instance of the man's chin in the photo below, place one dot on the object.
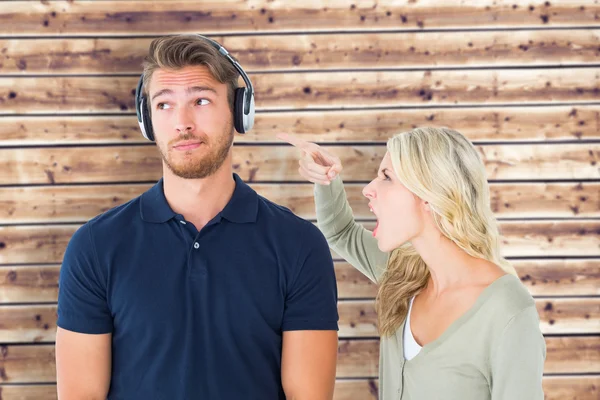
(187, 171)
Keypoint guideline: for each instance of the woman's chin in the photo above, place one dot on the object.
(382, 245)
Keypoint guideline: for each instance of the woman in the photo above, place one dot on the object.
(455, 321)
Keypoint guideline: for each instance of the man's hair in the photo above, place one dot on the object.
(178, 51)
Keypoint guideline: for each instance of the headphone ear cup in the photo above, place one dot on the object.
(147, 120)
(238, 109)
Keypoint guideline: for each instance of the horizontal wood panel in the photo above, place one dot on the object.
(279, 163)
(42, 204)
(323, 90)
(571, 387)
(547, 123)
(47, 243)
(322, 52)
(37, 323)
(560, 277)
(356, 358)
(150, 18)
(578, 277)
(555, 388)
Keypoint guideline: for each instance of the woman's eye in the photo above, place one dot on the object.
(203, 102)
(162, 106)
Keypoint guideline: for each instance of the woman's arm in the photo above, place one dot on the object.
(345, 236)
(334, 215)
(518, 360)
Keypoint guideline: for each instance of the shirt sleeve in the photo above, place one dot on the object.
(311, 300)
(82, 302)
(518, 360)
(346, 237)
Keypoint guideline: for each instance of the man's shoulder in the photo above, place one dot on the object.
(277, 215)
(116, 218)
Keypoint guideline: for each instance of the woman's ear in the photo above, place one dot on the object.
(425, 205)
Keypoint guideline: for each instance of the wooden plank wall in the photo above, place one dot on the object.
(519, 78)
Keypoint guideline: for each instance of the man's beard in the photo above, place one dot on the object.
(202, 165)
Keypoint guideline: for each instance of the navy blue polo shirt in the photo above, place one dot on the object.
(197, 314)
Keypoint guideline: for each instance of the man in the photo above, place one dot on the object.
(199, 288)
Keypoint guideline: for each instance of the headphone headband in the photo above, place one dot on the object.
(222, 50)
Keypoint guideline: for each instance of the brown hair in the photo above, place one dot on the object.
(178, 51)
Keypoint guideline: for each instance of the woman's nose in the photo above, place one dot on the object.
(368, 191)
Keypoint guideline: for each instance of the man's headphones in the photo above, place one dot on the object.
(243, 100)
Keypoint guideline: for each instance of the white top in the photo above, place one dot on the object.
(411, 347)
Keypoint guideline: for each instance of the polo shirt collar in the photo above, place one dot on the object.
(241, 208)
(153, 205)
(243, 205)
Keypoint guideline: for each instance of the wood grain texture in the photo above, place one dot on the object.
(323, 90)
(46, 243)
(26, 18)
(37, 323)
(566, 277)
(346, 74)
(58, 203)
(356, 359)
(317, 52)
(572, 387)
(57, 165)
(481, 125)
(555, 388)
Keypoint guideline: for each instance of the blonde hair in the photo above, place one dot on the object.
(440, 166)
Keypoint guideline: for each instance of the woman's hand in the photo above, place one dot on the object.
(317, 165)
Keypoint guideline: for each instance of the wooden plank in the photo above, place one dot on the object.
(55, 203)
(27, 364)
(356, 359)
(26, 18)
(356, 389)
(323, 90)
(575, 277)
(569, 315)
(29, 244)
(550, 238)
(279, 163)
(560, 277)
(572, 387)
(320, 52)
(46, 243)
(555, 388)
(480, 125)
(25, 284)
(37, 323)
(28, 392)
(581, 277)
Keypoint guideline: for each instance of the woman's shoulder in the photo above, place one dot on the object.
(508, 297)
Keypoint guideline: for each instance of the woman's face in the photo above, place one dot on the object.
(400, 213)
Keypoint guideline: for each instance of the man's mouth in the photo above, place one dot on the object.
(187, 145)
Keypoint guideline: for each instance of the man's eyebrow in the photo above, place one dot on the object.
(161, 92)
(192, 89)
(201, 89)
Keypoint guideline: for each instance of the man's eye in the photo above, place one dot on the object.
(203, 102)
(162, 106)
